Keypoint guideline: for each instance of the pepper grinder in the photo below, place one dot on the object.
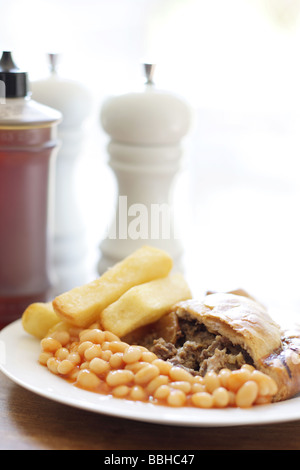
(146, 129)
(73, 100)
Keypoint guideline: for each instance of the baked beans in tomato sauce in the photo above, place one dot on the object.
(99, 361)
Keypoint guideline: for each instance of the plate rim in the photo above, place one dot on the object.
(137, 411)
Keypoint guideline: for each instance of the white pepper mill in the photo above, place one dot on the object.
(74, 101)
(146, 129)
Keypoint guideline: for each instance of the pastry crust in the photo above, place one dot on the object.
(247, 323)
(240, 319)
(283, 365)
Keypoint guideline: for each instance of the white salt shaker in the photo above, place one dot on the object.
(74, 101)
(146, 130)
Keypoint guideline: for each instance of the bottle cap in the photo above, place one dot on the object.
(15, 80)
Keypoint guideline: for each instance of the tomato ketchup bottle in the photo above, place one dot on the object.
(28, 144)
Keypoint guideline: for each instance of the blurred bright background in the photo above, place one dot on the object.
(237, 62)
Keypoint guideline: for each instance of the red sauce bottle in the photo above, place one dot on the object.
(27, 147)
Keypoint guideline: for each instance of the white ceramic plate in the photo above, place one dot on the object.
(18, 361)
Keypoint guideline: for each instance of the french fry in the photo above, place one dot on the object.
(144, 304)
(63, 326)
(82, 306)
(38, 318)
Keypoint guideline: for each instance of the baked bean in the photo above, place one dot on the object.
(88, 379)
(138, 393)
(182, 385)
(223, 376)
(95, 326)
(65, 367)
(52, 365)
(247, 394)
(82, 333)
(148, 356)
(237, 378)
(164, 366)
(116, 360)
(83, 346)
(221, 397)
(44, 356)
(176, 398)
(105, 346)
(157, 382)
(179, 374)
(92, 352)
(95, 336)
(119, 377)
(146, 374)
(74, 357)
(202, 400)
(63, 337)
(62, 353)
(198, 379)
(136, 366)
(99, 366)
(198, 387)
(50, 345)
(106, 355)
(73, 347)
(265, 384)
(231, 398)
(211, 381)
(109, 336)
(121, 391)
(132, 354)
(117, 346)
(84, 365)
(162, 392)
(73, 374)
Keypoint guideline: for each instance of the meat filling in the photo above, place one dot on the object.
(198, 350)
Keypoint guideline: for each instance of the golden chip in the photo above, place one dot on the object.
(81, 306)
(144, 304)
(38, 318)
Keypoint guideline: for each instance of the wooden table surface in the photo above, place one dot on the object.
(31, 422)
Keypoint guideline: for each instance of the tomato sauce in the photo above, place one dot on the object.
(25, 156)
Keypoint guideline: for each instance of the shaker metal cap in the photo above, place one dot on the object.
(149, 70)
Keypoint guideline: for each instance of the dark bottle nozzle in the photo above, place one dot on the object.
(7, 63)
(15, 80)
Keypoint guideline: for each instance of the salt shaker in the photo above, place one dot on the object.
(73, 100)
(145, 130)
(28, 143)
